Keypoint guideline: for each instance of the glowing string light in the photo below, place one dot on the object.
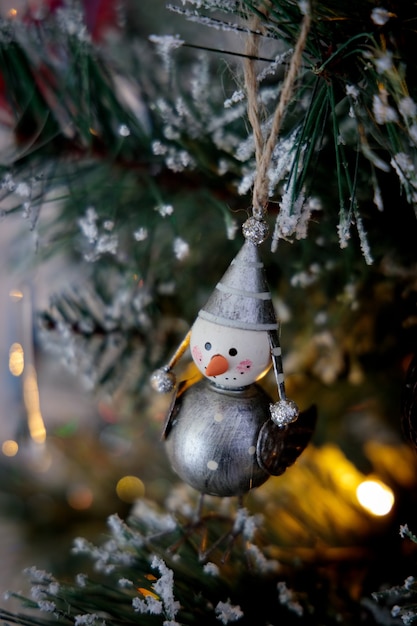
(80, 497)
(375, 497)
(16, 359)
(15, 295)
(130, 488)
(36, 424)
(10, 447)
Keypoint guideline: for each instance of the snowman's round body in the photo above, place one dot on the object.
(213, 435)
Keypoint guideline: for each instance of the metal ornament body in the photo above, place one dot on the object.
(212, 437)
(223, 442)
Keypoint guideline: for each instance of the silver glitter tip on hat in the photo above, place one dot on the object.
(255, 230)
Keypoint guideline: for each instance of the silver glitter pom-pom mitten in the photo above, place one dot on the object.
(163, 380)
(284, 412)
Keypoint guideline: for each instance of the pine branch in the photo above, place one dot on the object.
(96, 133)
(162, 565)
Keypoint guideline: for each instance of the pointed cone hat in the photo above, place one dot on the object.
(242, 298)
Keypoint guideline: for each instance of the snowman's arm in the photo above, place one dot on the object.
(180, 351)
(284, 411)
(276, 356)
(163, 380)
(173, 410)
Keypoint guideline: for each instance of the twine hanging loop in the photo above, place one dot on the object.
(256, 228)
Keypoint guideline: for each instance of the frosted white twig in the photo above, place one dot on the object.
(181, 248)
(89, 619)
(211, 569)
(406, 172)
(287, 597)
(147, 605)
(164, 587)
(204, 20)
(363, 239)
(200, 84)
(343, 228)
(141, 234)
(81, 580)
(378, 201)
(165, 44)
(98, 243)
(227, 612)
(259, 560)
(346, 219)
(352, 91)
(71, 21)
(271, 69)
(407, 107)
(164, 209)
(384, 113)
(39, 575)
(383, 62)
(113, 552)
(225, 5)
(47, 605)
(236, 97)
(294, 215)
(155, 521)
(380, 16)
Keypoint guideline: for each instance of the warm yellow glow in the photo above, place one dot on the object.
(12, 13)
(15, 295)
(16, 359)
(10, 447)
(397, 461)
(375, 497)
(31, 397)
(130, 488)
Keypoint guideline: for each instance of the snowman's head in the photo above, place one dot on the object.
(229, 357)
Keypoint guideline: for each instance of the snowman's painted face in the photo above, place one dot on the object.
(229, 357)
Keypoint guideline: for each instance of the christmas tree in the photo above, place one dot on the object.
(144, 145)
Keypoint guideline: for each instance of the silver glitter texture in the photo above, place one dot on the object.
(284, 412)
(255, 230)
(163, 380)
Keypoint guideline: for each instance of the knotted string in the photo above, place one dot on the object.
(264, 146)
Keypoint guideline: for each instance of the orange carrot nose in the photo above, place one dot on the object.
(218, 365)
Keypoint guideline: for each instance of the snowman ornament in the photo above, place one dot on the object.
(224, 435)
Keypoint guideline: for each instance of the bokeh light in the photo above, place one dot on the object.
(16, 359)
(375, 497)
(31, 398)
(15, 295)
(130, 488)
(10, 447)
(80, 497)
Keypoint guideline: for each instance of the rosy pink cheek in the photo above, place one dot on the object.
(196, 352)
(244, 366)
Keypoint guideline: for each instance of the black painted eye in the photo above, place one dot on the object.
(207, 345)
(233, 352)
